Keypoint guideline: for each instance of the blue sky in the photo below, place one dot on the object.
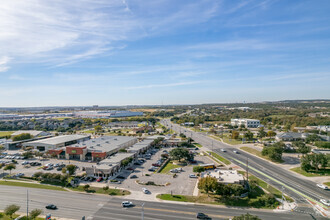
(135, 52)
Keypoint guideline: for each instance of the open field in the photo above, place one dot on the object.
(5, 133)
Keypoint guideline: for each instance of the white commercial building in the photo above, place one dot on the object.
(34, 133)
(248, 123)
(225, 176)
(56, 142)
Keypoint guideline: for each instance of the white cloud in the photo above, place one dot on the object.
(4, 60)
(62, 31)
(164, 85)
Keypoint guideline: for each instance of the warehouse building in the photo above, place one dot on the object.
(34, 133)
(56, 142)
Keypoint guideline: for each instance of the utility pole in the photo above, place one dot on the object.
(27, 204)
(142, 213)
(247, 169)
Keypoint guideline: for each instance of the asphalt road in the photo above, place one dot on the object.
(75, 205)
(299, 189)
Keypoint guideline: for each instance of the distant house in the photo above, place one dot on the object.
(225, 176)
(291, 136)
(189, 124)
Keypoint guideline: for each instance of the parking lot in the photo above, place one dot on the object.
(129, 177)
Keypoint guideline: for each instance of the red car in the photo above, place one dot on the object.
(155, 165)
(99, 179)
(129, 168)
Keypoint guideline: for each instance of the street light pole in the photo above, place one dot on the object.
(27, 204)
(142, 213)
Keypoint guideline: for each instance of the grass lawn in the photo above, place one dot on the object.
(113, 192)
(31, 185)
(217, 156)
(226, 139)
(269, 188)
(169, 166)
(5, 133)
(6, 217)
(197, 145)
(327, 183)
(321, 172)
(215, 200)
(258, 153)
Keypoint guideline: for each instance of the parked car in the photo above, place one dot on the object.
(59, 168)
(155, 165)
(192, 176)
(325, 202)
(201, 215)
(129, 168)
(174, 171)
(25, 162)
(223, 150)
(133, 177)
(99, 179)
(126, 204)
(322, 186)
(120, 177)
(51, 206)
(145, 191)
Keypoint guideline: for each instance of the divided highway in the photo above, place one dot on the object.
(72, 205)
(298, 188)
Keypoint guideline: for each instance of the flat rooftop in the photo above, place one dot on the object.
(58, 139)
(104, 143)
(117, 158)
(225, 176)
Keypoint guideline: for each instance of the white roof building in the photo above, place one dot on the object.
(34, 133)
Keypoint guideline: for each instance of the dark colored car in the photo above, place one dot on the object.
(51, 206)
(120, 177)
(201, 215)
(133, 177)
(59, 168)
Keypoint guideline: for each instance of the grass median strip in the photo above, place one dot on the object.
(217, 156)
(31, 185)
(321, 172)
(98, 190)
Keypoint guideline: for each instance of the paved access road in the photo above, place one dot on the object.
(73, 205)
(298, 188)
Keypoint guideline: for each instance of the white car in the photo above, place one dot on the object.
(223, 150)
(325, 202)
(126, 204)
(25, 162)
(322, 186)
(145, 191)
(235, 151)
(192, 176)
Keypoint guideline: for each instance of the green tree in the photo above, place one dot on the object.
(86, 187)
(27, 155)
(23, 136)
(302, 147)
(71, 168)
(10, 167)
(198, 169)
(234, 134)
(262, 133)
(180, 153)
(312, 138)
(98, 128)
(35, 213)
(208, 184)
(246, 216)
(248, 135)
(274, 152)
(11, 209)
(105, 188)
(271, 133)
